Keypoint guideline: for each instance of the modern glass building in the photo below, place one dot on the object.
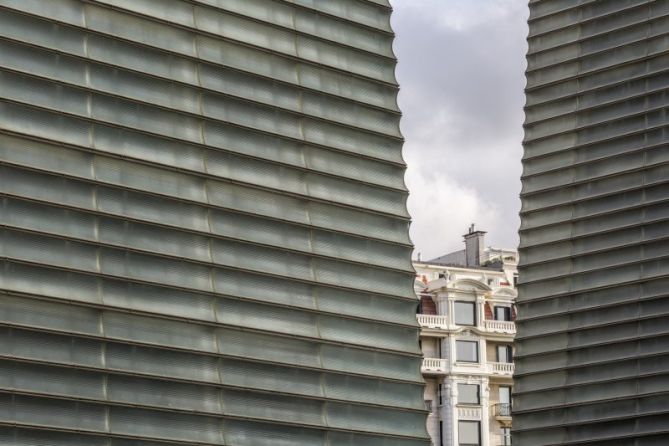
(204, 231)
(592, 345)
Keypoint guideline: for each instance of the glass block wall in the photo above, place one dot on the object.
(592, 363)
(204, 230)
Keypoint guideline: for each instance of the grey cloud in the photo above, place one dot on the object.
(462, 98)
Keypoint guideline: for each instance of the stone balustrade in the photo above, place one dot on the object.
(434, 366)
(500, 326)
(501, 368)
(433, 321)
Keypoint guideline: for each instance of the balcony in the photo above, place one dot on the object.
(440, 321)
(501, 368)
(434, 366)
(507, 327)
(432, 321)
(469, 413)
(502, 410)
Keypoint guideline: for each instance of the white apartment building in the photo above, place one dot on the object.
(467, 315)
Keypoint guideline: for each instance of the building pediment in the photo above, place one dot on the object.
(457, 285)
(505, 292)
(471, 285)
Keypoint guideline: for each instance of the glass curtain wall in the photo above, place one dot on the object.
(592, 349)
(204, 226)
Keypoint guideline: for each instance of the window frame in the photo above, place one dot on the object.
(478, 394)
(455, 312)
(509, 353)
(499, 393)
(478, 353)
(507, 312)
(478, 428)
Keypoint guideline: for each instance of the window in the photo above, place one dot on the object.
(506, 436)
(469, 433)
(515, 280)
(504, 406)
(465, 313)
(502, 313)
(504, 353)
(468, 394)
(505, 394)
(467, 351)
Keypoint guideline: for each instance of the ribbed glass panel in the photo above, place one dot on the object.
(592, 349)
(203, 226)
(362, 12)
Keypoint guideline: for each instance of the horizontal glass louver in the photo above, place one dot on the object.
(204, 226)
(591, 348)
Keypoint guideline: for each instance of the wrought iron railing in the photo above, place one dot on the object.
(503, 410)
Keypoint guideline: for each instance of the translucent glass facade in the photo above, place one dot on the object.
(592, 350)
(204, 231)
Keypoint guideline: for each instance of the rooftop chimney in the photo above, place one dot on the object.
(474, 246)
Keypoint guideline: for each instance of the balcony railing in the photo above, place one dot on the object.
(441, 321)
(501, 368)
(500, 326)
(433, 320)
(434, 366)
(502, 410)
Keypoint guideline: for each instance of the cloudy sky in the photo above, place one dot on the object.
(461, 65)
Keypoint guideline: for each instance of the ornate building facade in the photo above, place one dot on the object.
(467, 315)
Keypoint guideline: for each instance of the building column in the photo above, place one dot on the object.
(480, 310)
(483, 354)
(485, 412)
(453, 399)
(447, 414)
(452, 350)
(451, 313)
(441, 301)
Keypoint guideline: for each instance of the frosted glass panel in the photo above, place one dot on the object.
(593, 225)
(204, 226)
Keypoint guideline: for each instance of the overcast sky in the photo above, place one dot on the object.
(461, 74)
